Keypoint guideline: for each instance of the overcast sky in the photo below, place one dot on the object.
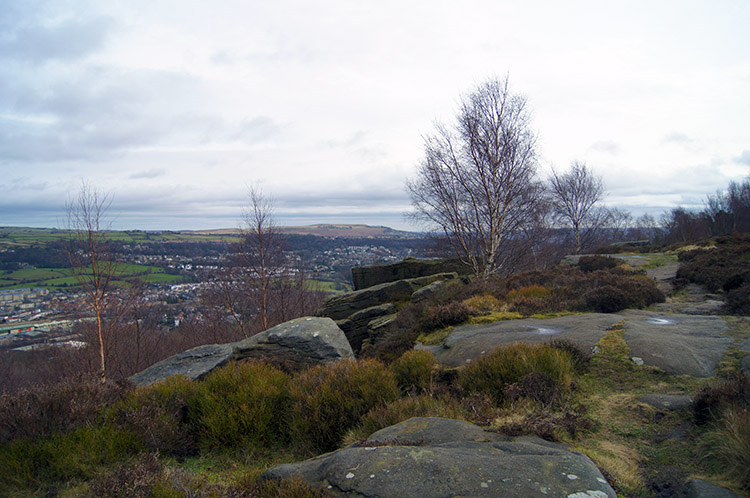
(176, 107)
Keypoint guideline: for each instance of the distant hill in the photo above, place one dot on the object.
(327, 230)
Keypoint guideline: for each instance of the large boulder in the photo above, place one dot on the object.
(194, 364)
(443, 458)
(307, 340)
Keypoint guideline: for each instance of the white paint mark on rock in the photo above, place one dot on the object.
(572, 477)
(316, 334)
(637, 361)
(349, 475)
(591, 493)
(371, 448)
(484, 485)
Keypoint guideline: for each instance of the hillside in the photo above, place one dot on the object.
(326, 230)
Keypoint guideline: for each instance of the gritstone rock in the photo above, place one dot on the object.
(194, 364)
(368, 276)
(441, 457)
(306, 340)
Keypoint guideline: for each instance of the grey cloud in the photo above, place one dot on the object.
(65, 41)
(607, 146)
(676, 138)
(256, 130)
(148, 174)
(744, 157)
(104, 112)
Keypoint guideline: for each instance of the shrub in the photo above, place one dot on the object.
(593, 263)
(728, 445)
(330, 399)
(243, 404)
(710, 403)
(78, 454)
(546, 425)
(444, 315)
(135, 479)
(722, 267)
(482, 304)
(527, 306)
(580, 357)
(535, 386)
(535, 291)
(636, 291)
(158, 414)
(738, 301)
(400, 410)
(607, 299)
(42, 410)
(253, 486)
(506, 365)
(414, 370)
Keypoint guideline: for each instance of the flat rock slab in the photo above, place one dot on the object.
(676, 343)
(698, 488)
(470, 342)
(448, 458)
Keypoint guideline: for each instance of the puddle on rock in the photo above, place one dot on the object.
(543, 330)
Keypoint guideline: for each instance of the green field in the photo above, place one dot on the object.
(25, 237)
(57, 278)
(328, 286)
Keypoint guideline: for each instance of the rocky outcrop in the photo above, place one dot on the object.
(442, 457)
(306, 340)
(361, 313)
(345, 305)
(357, 326)
(368, 276)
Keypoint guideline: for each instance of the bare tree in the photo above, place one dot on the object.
(262, 256)
(92, 262)
(575, 198)
(477, 182)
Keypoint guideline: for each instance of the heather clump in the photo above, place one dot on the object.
(328, 400)
(415, 371)
(494, 373)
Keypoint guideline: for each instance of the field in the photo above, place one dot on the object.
(57, 278)
(24, 237)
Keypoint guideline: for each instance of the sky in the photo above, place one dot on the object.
(176, 108)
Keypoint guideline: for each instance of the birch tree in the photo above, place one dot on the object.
(477, 182)
(92, 262)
